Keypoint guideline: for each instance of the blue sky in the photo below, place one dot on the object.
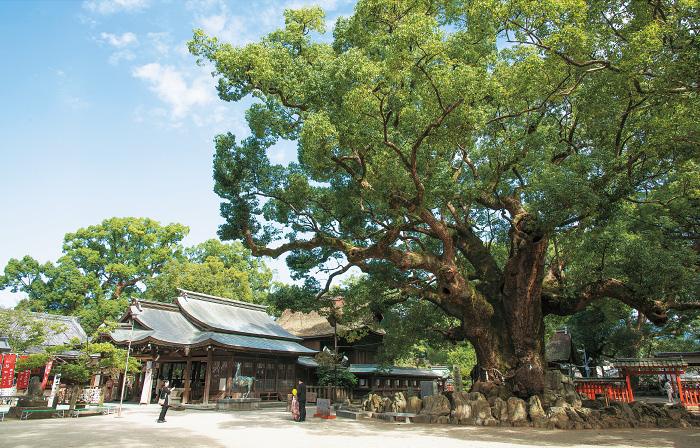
(103, 112)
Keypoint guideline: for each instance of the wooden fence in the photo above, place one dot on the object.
(617, 389)
(690, 394)
(328, 392)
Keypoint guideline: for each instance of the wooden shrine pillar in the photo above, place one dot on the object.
(679, 387)
(207, 378)
(188, 369)
(630, 395)
(229, 376)
(135, 386)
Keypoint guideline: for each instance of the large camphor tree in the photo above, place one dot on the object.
(500, 160)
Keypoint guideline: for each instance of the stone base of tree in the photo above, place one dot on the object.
(561, 407)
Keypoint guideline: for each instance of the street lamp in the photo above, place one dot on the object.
(133, 311)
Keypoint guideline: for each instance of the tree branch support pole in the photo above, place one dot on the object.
(126, 367)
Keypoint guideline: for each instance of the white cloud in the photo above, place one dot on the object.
(113, 6)
(171, 87)
(76, 103)
(214, 24)
(122, 41)
(238, 27)
(159, 42)
(118, 56)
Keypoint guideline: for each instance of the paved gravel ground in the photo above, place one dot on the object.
(137, 427)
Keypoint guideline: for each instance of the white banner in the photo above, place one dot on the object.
(147, 380)
(54, 388)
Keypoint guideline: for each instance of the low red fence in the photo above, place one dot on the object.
(690, 395)
(615, 389)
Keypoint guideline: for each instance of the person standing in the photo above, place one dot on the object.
(295, 406)
(301, 396)
(164, 400)
(159, 385)
(669, 390)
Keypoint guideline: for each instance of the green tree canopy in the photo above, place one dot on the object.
(101, 267)
(215, 268)
(499, 160)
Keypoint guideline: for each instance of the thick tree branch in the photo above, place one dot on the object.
(568, 304)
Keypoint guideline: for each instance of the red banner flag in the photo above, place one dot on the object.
(8, 371)
(23, 377)
(46, 373)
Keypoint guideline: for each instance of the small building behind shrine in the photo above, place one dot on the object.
(324, 333)
(200, 343)
(318, 334)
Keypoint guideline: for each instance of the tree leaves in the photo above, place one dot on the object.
(442, 143)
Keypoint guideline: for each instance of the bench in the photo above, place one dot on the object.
(59, 413)
(105, 410)
(406, 417)
(24, 414)
(269, 396)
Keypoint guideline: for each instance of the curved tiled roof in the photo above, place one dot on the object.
(393, 370)
(191, 324)
(230, 316)
(622, 363)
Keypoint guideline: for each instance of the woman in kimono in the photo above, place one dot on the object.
(295, 406)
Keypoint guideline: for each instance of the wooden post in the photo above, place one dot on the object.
(207, 378)
(135, 386)
(679, 387)
(630, 397)
(229, 376)
(186, 393)
(73, 398)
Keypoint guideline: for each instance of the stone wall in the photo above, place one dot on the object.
(559, 407)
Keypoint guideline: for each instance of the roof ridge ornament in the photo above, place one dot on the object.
(185, 294)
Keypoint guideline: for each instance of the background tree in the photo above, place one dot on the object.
(296, 298)
(333, 370)
(101, 267)
(432, 135)
(608, 329)
(215, 268)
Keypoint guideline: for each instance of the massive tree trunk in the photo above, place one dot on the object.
(510, 345)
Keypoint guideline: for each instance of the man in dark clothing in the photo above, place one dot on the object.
(301, 396)
(165, 396)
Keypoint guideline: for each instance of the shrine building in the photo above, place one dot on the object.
(200, 343)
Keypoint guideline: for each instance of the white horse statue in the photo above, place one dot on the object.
(242, 381)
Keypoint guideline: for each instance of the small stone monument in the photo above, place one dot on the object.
(323, 408)
(428, 388)
(35, 395)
